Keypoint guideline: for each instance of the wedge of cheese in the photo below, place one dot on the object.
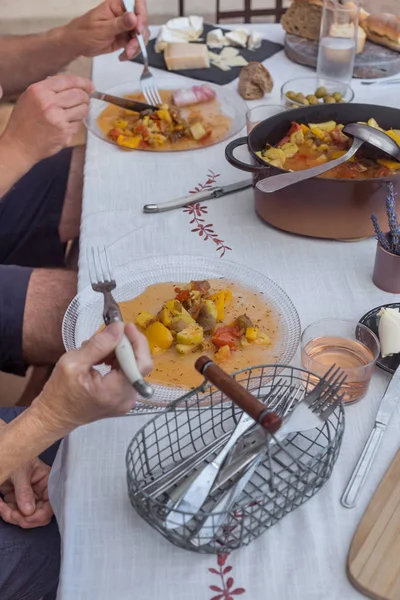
(181, 57)
(181, 29)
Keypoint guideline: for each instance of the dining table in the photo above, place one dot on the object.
(108, 551)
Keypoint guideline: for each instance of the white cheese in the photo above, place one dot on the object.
(216, 39)
(389, 331)
(237, 61)
(180, 57)
(197, 24)
(238, 37)
(254, 41)
(181, 29)
(168, 36)
(229, 53)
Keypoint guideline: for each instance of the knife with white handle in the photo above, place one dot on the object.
(210, 194)
(363, 467)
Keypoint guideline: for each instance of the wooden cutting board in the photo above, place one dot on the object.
(374, 559)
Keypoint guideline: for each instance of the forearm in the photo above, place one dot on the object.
(13, 165)
(24, 438)
(27, 59)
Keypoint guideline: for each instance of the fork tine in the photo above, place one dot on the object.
(328, 397)
(90, 267)
(325, 414)
(108, 268)
(334, 378)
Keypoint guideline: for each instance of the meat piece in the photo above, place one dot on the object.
(340, 139)
(201, 286)
(194, 95)
(208, 316)
(243, 322)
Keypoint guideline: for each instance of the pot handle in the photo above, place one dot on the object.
(239, 164)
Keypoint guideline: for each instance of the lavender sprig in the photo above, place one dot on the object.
(380, 236)
(392, 218)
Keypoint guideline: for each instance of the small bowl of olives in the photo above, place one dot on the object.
(310, 91)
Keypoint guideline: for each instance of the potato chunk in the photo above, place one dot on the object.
(191, 335)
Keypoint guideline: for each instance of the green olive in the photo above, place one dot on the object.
(299, 97)
(291, 95)
(329, 100)
(312, 99)
(342, 102)
(338, 96)
(321, 92)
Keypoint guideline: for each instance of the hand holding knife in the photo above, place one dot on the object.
(215, 192)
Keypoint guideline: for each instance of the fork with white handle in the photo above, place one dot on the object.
(101, 281)
(147, 79)
(304, 417)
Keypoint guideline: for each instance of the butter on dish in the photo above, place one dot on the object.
(389, 331)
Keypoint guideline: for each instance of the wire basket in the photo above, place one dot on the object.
(290, 473)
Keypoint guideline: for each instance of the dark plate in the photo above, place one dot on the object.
(213, 74)
(370, 320)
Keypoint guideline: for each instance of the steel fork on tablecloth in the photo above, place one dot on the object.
(102, 282)
(147, 79)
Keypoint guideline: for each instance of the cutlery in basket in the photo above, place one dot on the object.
(102, 282)
(311, 410)
(147, 79)
(197, 491)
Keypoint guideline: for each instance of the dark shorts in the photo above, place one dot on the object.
(29, 558)
(30, 214)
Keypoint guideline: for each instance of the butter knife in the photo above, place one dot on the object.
(363, 467)
(123, 102)
(210, 194)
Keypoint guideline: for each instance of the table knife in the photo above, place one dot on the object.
(123, 102)
(215, 192)
(363, 467)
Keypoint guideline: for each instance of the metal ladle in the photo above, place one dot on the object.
(360, 133)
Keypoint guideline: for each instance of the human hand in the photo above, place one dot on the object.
(77, 394)
(46, 117)
(108, 28)
(26, 501)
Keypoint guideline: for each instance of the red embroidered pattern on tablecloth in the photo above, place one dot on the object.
(198, 211)
(226, 590)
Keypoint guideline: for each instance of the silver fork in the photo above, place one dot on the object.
(147, 79)
(102, 282)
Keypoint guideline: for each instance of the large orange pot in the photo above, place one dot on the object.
(318, 207)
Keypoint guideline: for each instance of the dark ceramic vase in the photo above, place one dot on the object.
(386, 271)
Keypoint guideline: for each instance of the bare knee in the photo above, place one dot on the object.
(48, 296)
(71, 214)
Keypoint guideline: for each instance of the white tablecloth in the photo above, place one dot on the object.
(108, 551)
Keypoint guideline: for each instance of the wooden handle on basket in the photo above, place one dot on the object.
(238, 394)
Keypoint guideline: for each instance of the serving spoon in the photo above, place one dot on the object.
(361, 134)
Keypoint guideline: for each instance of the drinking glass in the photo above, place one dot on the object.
(343, 343)
(256, 115)
(337, 41)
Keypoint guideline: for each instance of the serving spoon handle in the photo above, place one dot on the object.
(277, 182)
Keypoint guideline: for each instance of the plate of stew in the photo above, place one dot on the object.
(170, 128)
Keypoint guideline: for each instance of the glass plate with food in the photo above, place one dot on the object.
(191, 117)
(187, 306)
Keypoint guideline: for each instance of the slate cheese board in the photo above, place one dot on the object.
(213, 74)
(372, 63)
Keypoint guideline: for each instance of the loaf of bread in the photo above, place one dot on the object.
(362, 14)
(255, 81)
(303, 18)
(347, 30)
(383, 29)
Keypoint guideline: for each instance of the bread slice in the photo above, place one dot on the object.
(255, 81)
(303, 18)
(383, 29)
(347, 30)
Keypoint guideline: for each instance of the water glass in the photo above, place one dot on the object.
(256, 115)
(343, 343)
(337, 41)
